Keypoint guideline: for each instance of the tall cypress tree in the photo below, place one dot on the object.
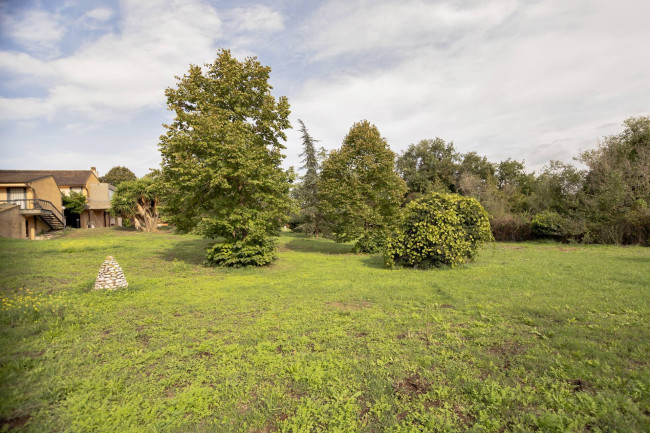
(310, 220)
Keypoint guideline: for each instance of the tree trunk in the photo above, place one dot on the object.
(146, 218)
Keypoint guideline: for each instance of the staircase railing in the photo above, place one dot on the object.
(36, 203)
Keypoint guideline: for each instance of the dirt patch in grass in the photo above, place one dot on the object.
(14, 422)
(33, 354)
(508, 348)
(412, 385)
(448, 306)
(462, 413)
(430, 404)
(142, 337)
(350, 306)
(579, 385)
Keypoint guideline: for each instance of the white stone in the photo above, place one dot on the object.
(110, 276)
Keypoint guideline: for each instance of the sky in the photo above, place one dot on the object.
(82, 81)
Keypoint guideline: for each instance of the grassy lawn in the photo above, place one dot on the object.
(529, 337)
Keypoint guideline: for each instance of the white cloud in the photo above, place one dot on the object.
(100, 14)
(36, 30)
(506, 79)
(119, 73)
(343, 26)
(257, 18)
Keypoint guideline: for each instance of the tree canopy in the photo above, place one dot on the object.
(117, 175)
(429, 166)
(138, 199)
(74, 202)
(309, 218)
(222, 155)
(360, 190)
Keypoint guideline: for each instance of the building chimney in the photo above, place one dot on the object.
(94, 170)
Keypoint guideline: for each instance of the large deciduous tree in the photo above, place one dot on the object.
(429, 166)
(617, 185)
(117, 175)
(360, 190)
(221, 159)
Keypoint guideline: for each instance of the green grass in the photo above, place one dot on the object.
(529, 337)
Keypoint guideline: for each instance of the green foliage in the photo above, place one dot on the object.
(559, 188)
(438, 229)
(309, 219)
(360, 191)
(429, 166)
(478, 166)
(74, 202)
(253, 251)
(550, 224)
(117, 175)
(222, 153)
(138, 200)
(618, 184)
(511, 227)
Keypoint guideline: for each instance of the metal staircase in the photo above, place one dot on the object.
(43, 209)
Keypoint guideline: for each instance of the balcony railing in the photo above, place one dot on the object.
(35, 203)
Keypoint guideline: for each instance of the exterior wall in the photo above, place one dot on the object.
(3, 193)
(41, 227)
(97, 218)
(31, 227)
(12, 224)
(99, 197)
(46, 189)
(66, 190)
(84, 217)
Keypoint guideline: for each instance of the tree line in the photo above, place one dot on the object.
(221, 177)
(605, 202)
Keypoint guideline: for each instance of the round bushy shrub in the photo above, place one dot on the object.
(438, 230)
(552, 225)
(255, 250)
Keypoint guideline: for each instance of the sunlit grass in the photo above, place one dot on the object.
(529, 337)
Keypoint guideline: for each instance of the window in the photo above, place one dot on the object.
(78, 189)
(17, 196)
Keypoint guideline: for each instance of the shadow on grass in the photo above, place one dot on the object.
(639, 260)
(124, 228)
(190, 251)
(304, 244)
(374, 261)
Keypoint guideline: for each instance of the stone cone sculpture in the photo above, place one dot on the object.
(110, 276)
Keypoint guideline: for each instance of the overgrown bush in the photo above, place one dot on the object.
(255, 250)
(437, 230)
(511, 227)
(551, 225)
(629, 226)
(74, 202)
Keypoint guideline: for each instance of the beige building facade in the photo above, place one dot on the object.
(30, 204)
(37, 193)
